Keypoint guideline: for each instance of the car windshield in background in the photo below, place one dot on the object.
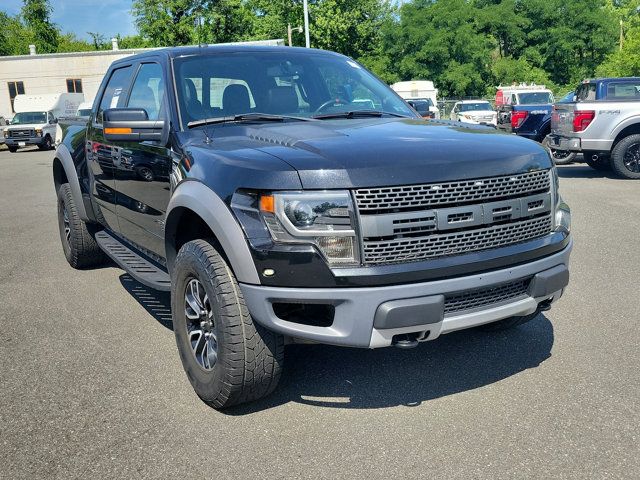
(289, 84)
(469, 107)
(535, 98)
(24, 118)
(421, 106)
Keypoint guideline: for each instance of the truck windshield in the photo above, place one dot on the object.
(535, 98)
(24, 118)
(469, 107)
(294, 84)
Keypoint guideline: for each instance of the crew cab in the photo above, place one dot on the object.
(525, 110)
(603, 122)
(260, 187)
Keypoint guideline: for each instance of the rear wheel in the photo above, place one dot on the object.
(78, 242)
(625, 157)
(560, 157)
(229, 358)
(508, 323)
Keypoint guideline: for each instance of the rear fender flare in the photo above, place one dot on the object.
(201, 200)
(64, 157)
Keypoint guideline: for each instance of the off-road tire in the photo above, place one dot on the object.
(619, 153)
(12, 149)
(566, 158)
(508, 323)
(249, 357)
(78, 243)
(47, 144)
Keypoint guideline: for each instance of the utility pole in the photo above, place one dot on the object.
(621, 34)
(306, 24)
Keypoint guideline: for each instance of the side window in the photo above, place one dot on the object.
(148, 91)
(115, 93)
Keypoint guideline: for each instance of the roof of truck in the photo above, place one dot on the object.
(610, 79)
(173, 52)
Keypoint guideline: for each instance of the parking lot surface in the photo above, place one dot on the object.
(91, 384)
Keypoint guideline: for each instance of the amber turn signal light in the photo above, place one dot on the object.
(267, 204)
(116, 131)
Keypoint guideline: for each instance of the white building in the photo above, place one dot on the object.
(61, 72)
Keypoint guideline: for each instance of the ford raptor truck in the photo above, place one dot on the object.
(284, 194)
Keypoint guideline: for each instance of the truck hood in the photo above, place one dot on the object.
(478, 113)
(379, 152)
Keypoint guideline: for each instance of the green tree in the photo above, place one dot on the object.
(36, 15)
(439, 41)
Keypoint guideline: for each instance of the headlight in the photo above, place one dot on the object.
(324, 219)
(38, 132)
(562, 219)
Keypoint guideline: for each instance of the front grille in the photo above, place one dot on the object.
(26, 133)
(508, 292)
(409, 249)
(417, 197)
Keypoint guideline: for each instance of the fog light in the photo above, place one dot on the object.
(337, 250)
(268, 272)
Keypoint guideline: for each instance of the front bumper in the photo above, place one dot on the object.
(23, 142)
(370, 317)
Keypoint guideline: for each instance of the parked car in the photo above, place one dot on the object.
(525, 110)
(474, 111)
(36, 116)
(419, 91)
(277, 209)
(424, 107)
(603, 123)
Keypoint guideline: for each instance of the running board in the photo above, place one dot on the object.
(139, 268)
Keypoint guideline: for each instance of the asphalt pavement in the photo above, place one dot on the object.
(91, 385)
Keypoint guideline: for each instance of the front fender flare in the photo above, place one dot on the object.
(64, 156)
(201, 200)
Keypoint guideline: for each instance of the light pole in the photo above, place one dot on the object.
(290, 31)
(306, 24)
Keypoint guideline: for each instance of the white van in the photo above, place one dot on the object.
(36, 116)
(419, 90)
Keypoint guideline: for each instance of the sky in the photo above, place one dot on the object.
(107, 17)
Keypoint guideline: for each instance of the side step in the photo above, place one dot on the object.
(139, 268)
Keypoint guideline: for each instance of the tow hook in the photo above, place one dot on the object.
(405, 341)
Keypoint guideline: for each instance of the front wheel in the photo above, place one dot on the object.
(12, 149)
(229, 358)
(46, 144)
(625, 157)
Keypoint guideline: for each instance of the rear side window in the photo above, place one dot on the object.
(586, 92)
(115, 93)
(148, 90)
(623, 91)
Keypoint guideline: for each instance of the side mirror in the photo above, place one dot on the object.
(54, 121)
(131, 125)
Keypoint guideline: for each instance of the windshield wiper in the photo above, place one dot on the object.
(246, 117)
(357, 113)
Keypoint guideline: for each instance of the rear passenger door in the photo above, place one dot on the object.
(142, 178)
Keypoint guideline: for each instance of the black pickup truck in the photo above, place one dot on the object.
(284, 194)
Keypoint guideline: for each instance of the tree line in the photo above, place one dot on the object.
(466, 47)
